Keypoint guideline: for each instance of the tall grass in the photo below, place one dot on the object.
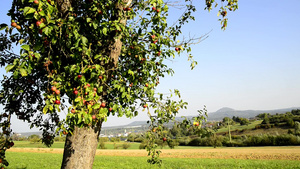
(20, 160)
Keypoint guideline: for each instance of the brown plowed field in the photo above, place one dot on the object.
(264, 153)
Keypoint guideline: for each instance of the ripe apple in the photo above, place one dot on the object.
(38, 23)
(100, 77)
(73, 111)
(155, 41)
(65, 133)
(95, 89)
(14, 24)
(18, 27)
(57, 92)
(75, 92)
(57, 101)
(79, 76)
(145, 106)
(103, 104)
(88, 85)
(94, 117)
(110, 109)
(196, 123)
(146, 85)
(36, 2)
(11, 144)
(177, 49)
(153, 8)
(157, 10)
(164, 139)
(53, 88)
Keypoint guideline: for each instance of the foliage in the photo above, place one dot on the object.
(93, 59)
(125, 145)
(34, 138)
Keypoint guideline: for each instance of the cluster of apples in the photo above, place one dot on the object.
(56, 92)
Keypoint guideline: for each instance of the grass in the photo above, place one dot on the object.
(19, 160)
(240, 127)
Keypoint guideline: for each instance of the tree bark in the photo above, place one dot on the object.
(80, 148)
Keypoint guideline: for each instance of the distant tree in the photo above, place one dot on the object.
(34, 138)
(297, 128)
(244, 121)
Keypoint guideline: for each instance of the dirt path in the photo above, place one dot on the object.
(266, 153)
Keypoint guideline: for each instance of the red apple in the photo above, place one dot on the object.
(75, 92)
(11, 144)
(196, 123)
(38, 23)
(88, 85)
(57, 92)
(177, 49)
(73, 111)
(100, 77)
(57, 101)
(18, 27)
(152, 36)
(94, 117)
(53, 88)
(153, 8)
(145, 106)
(65, 133)
(36, 2)
(157, 10)
(146, 85)
(110, 109)
(164, 139)
(103, 104)
(79, 76)
(14, 24)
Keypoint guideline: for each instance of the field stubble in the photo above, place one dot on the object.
(262, 153)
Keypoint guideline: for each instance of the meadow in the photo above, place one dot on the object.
(181, 157)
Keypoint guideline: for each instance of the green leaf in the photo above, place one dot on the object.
(84, 41)
(9, 67)
(25, 47)
(45, 109)
(3, 26)
(78, 99)
(96, 106)
(23, 72)
(28, 10)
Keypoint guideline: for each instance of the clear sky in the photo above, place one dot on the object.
(254, 64)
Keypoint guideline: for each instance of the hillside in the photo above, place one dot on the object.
(229, 112)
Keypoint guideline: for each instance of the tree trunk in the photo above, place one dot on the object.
(80, 148)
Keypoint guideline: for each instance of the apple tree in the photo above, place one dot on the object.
(91, 59)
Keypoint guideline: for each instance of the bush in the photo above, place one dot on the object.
(102, 145)
(172, 143)
(142, 146)
(126, 145)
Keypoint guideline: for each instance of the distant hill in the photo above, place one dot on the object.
(229, 112)
(214, 116)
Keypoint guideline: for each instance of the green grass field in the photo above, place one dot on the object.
(19, 160)
(239, 127)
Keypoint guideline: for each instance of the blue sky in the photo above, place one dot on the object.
(254, 64)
